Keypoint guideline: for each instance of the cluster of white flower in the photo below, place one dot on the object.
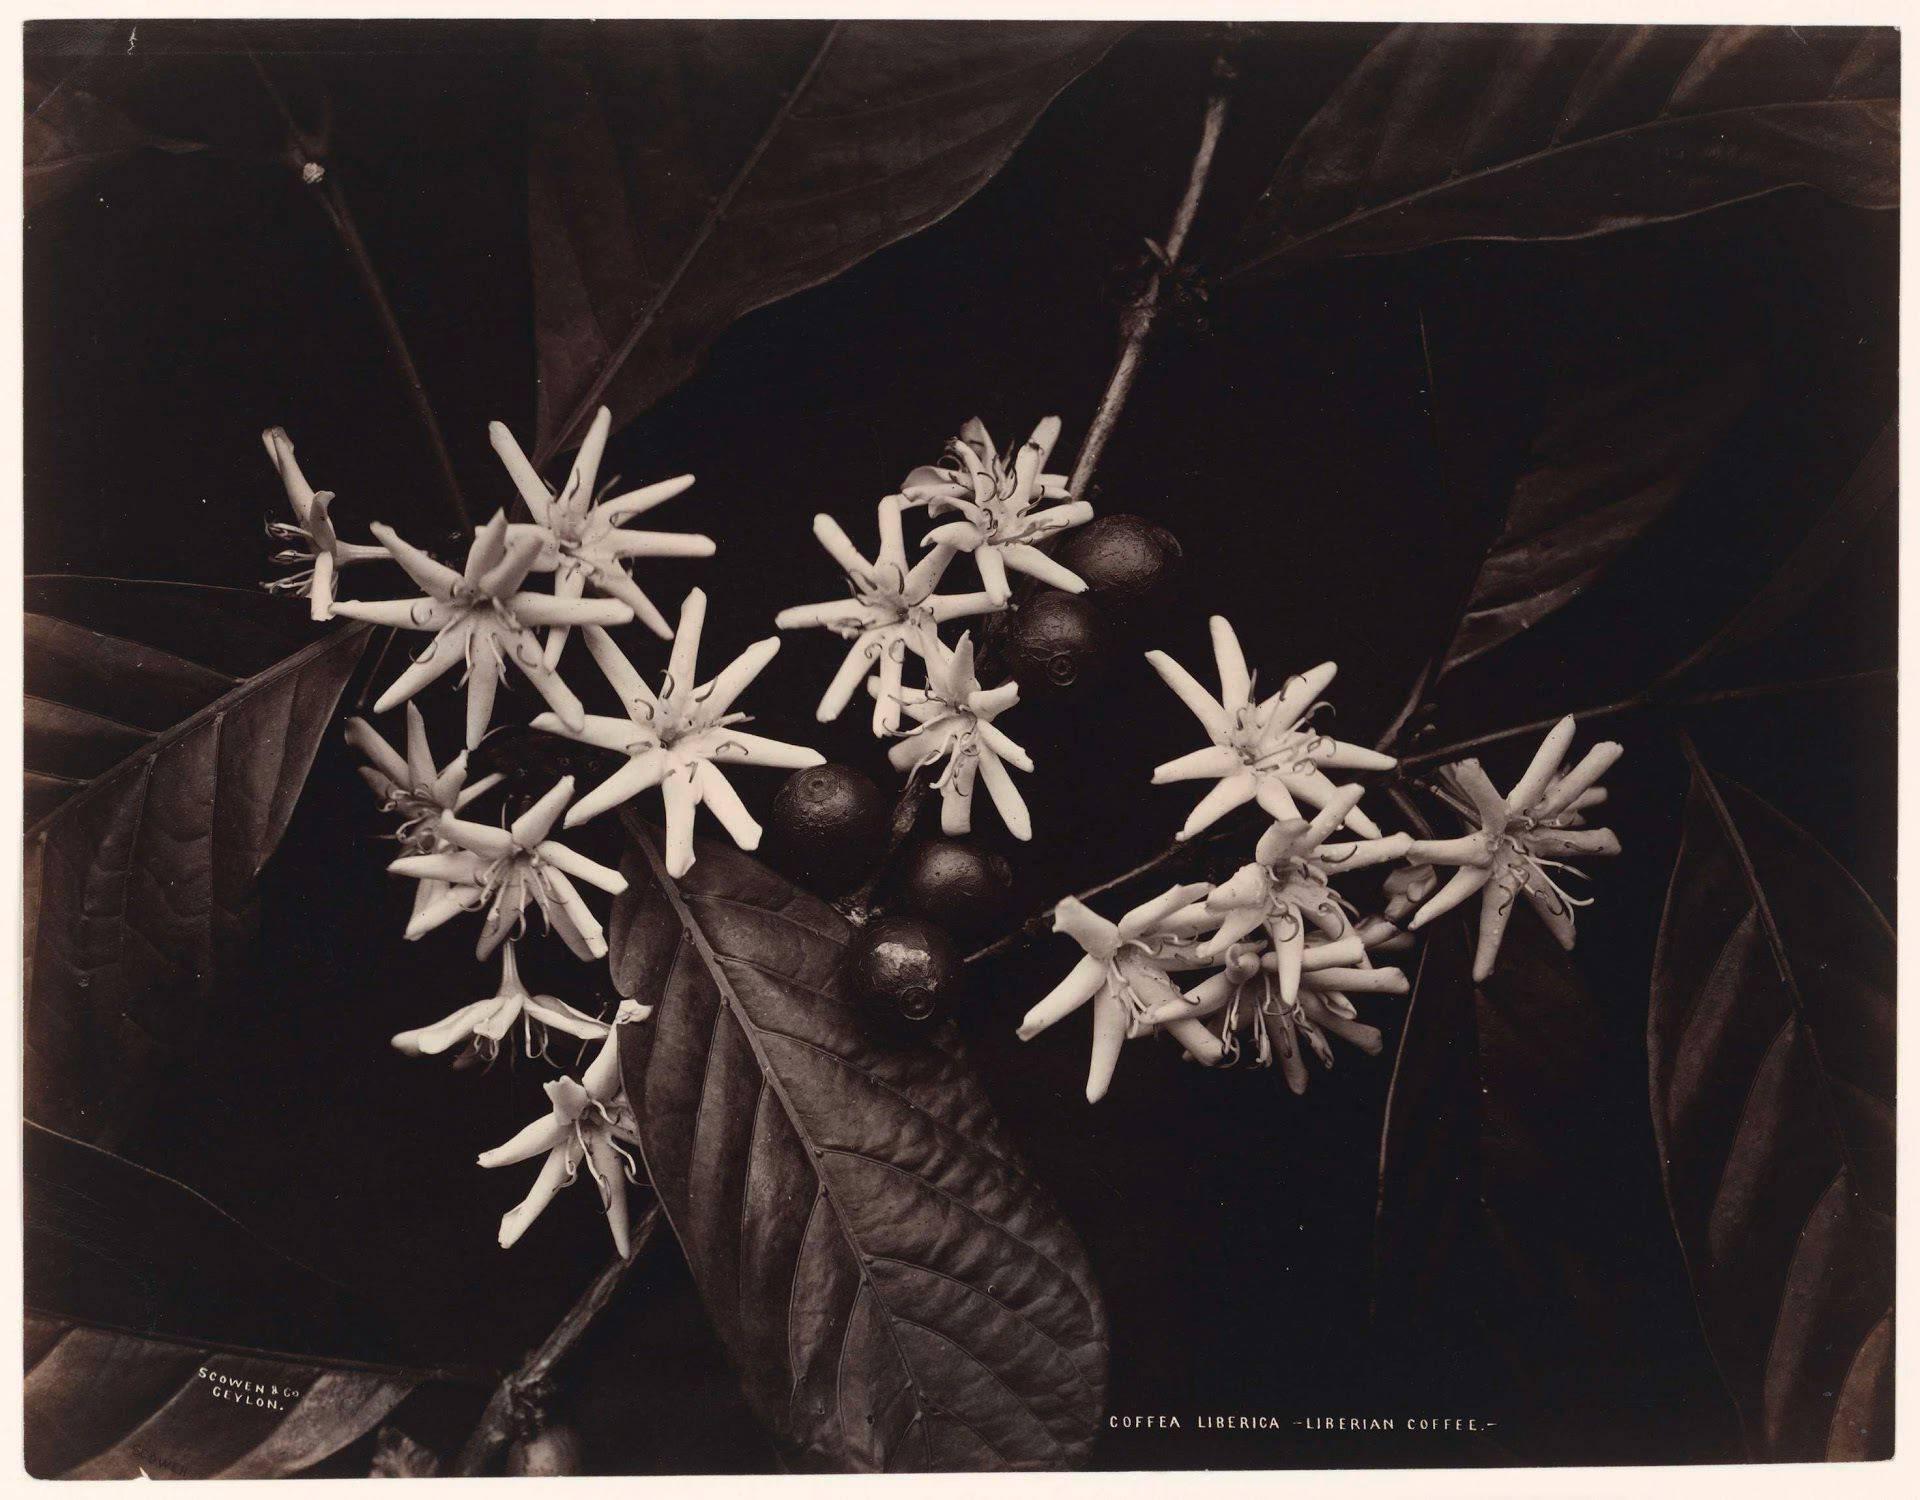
(1289, 951)
(481, 617)
(1286, 951)
(1007, 504)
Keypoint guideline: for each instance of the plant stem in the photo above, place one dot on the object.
(1144, 310)
(1037, 924)
(1136, 324)
(857, 905)
(1642, 701)
(500, 1421)
(1040, 923)
(306, 150)
(335, 203)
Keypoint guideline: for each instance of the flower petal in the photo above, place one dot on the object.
(718, 695)
(1546, 761)
(1109, 1033)
(737, 747)
(526, 479)
(434, 576)
(1023, 558)
(1214, 761)
(1235, 681)
(1464, 883)
(681, 798)
(638, 775)
(683, 660)
(625, 507)
(1231, 792)
(366, 739)
(1593, 765)
(725, 804)
(859, 658)
(1198, 700)
(1007, 800)
(555, 1174)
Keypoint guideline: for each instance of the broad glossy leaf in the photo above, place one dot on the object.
(139, 1292)
(113, 1243)
(1825, 549)
(70, 135)
(1510, 1201)
(1606, 466)
(106, 1404)
(110, 663)
(895, 1289)
(683, 175)
(182, 780)
(1771, 1040)
(1448, 132)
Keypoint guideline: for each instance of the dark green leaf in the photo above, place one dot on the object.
(137, 879)
(1448, 132)
(1771, 1041)
(1607, 465)
(895, 1289)
(112, 1243)
(139, 1291)
(1508, 1236)
(70, 135)
(1821, 554)
(105, 1404)
(685, 175)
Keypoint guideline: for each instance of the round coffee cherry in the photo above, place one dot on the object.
(957, 884)
(827, 822)
(1057, 639)
(554, 1449)
(904, 971)
(1124, 559)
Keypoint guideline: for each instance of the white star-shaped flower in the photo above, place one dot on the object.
(677, 739)
(586, 1125)
(955, 715)
(1261, 751)
(893, 610)
(1247, 991)
(995, 495)
(1124, 974)
(486, 1022)
(411, 786)
(1286, 889)
(480, 618)
(506, 870)
(1520, 837)
(310, 536)
(584, 543)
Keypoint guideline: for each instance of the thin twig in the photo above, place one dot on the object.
(1037, 924)
(1135, 326)
(1435, 666)
(1040, 923)
(1643, 701)
(500, 1421)
(305, 150)
(1145, 309)
(857, 905)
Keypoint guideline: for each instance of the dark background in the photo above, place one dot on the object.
(1331, 500)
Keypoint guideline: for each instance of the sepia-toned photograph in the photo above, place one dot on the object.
(826, 746)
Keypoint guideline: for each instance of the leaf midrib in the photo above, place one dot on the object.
(226, 702)
(556, 440)
(642, 836)
(1248, 267)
